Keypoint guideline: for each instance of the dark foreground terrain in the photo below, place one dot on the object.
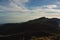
(31, 30)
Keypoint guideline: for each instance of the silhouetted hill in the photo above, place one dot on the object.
(37, 25)
(57, 20)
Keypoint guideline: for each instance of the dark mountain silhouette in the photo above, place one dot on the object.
(57, 20)
(33, 25)
(36, 26)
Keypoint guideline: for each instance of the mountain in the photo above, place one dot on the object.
(57, 20)
(37, 25)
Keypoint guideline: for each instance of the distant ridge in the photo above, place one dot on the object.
(37, 25)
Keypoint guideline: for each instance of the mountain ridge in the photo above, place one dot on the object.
(39, 25)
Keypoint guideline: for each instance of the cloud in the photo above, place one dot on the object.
(48, 9)
(16, 11)
(19, 1)
(18, 5)
(14, 5)
(51, 6)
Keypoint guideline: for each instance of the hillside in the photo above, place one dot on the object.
(41, 24)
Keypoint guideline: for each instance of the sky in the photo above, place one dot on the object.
(15, 11)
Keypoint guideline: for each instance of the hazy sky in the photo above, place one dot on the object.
(23, 10)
